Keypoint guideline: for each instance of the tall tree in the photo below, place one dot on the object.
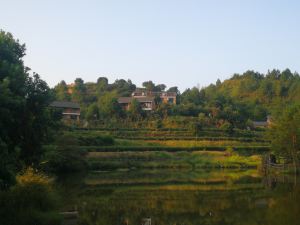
(284, 133)
(108, 106)
(135, 110)
(79, 90)
(25, 119)
(102, 85)
(61, 91)
(160, 87)
(149, 85)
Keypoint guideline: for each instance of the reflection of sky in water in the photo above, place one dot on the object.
(184, 197)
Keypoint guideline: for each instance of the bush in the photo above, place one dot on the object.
(64, 159)
(96, 140)
(31, 201)
(229, 151)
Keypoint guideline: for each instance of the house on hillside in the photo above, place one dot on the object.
(147, 103)
(166, 97)
(70, 110)
(262, 124)
(146, 98)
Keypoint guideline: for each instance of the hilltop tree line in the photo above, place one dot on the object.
(243, 97)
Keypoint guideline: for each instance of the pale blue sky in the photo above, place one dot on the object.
(177, 42)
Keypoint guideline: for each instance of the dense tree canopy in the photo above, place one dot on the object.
(243, 97)
(25, 119)
(285, 132)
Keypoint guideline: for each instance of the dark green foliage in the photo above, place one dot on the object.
(79, 90)
(7, 170)
(29, 204)
(196, 128)
(135, 111)
(92, 112)
(25, 119)
(284, 133)
(149, 85)
(242, 98)
(61, 91)
(64, 159)
(104, 140)
(109, 107)
(227, 127)
(193, 96)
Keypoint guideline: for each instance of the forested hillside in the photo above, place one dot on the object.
(265, 92)
(235, 101)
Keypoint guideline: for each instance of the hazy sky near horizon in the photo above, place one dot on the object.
(180, 43)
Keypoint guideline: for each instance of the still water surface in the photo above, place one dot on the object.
(181, 197)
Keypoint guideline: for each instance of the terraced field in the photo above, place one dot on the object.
(171, 148)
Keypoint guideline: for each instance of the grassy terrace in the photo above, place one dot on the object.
(109, 149)
(162, 159)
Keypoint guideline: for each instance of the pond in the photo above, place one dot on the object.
(181, 197)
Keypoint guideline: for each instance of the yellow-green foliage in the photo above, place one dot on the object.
(32, 176)
(192, 143)
(30, 201)
(229, 151)
(160, 159)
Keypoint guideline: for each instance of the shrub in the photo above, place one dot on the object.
(64, 159)
(96, 140)
(31, 201)
(229, 151)
(31, 176)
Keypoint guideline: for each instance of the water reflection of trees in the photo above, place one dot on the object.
(244, 200)
(191, 207)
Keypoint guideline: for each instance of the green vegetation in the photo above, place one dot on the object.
(26, 122)
(170, 196)
(163, 159)
(230, 104)
(31, 201)
(285, 134)
(208, 128)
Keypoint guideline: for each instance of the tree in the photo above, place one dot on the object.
(25, 119)
(61, 91)
(123, 87)
(37, 119)
(284, 133)
(173, 89)
(108, 106)
(149, 85)
(92, 112)
(79, 90)
(102, 85)
(157, 100)
(192, 96)
(135, 109)
(102, 81)
(160, 87)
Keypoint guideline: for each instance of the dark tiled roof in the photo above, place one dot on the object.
(139, 99)
(164, 93)
(260, 123)
(65, 104)
(124, 99)
(145, 99)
